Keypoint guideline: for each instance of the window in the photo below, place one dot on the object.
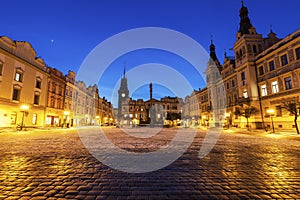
(245, 94)
(288, 83)
(18, 76)
(1, 68)
(13, 118)
(36, 99)
(284, 60)
(278, 111)
(38, 84)
(254, 49)
(297, 55)
(34, 118)
(275, 88)
(243, 76)
(59, 90)
(16, 94)
(261, 70)
(264, 90)
(227, 85)
(271, 66)
(53, 88)
(232, 83)
(67, 92)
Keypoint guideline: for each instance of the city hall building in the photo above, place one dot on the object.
(166, 111)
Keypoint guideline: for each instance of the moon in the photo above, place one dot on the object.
(52, 41)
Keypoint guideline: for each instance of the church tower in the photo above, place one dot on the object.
(215, 87)
(123, 93)
(248, 44)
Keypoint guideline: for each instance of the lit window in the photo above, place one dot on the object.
(297, 54)
(13, 118)
(34, 118)
(275, 88)
(245, 94)
(264, 90)
(18, 76)
(130, 115)
(284, 60)
(271, 66)
(288, 83)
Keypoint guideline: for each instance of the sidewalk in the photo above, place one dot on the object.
(278, 132)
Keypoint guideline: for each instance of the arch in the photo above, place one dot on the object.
(254, 48)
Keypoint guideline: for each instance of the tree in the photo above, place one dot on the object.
(294, 109)
(246, 112)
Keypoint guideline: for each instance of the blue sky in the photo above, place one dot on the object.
(64, 32)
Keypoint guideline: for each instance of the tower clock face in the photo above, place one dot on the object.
(123, 94)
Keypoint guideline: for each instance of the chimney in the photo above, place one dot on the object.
(150, 93)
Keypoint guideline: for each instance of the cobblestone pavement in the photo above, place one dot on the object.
(55, 165)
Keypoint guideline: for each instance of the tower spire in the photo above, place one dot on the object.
(124, 69)
(245, 23)
(271, 29)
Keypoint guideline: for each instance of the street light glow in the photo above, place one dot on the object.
(24, 107)
(270, 111)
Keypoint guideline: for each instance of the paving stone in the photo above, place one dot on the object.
(240, 166)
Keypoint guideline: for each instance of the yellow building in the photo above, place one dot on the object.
(35, 95)
(278, 70)
(23, 85)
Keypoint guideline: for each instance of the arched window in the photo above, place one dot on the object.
(254, 49)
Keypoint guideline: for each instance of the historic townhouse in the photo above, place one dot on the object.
(56, 98)
(35, 95)
(263, 74)
(23, 84)
(278, 70)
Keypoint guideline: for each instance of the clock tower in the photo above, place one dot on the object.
(123, 94)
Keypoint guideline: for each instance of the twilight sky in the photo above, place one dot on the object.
(64, 32)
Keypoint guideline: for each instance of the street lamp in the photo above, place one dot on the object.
(271, 112)
(23, 108)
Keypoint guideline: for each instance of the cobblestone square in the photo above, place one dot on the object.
(54, 164)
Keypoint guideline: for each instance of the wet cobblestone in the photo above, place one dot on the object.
(55, 165)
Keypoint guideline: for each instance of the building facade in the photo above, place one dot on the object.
(23, 83)
(35, 95)
(166, 111)
(263, 74)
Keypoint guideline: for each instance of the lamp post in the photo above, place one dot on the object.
(23, 108)
(271, 112)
